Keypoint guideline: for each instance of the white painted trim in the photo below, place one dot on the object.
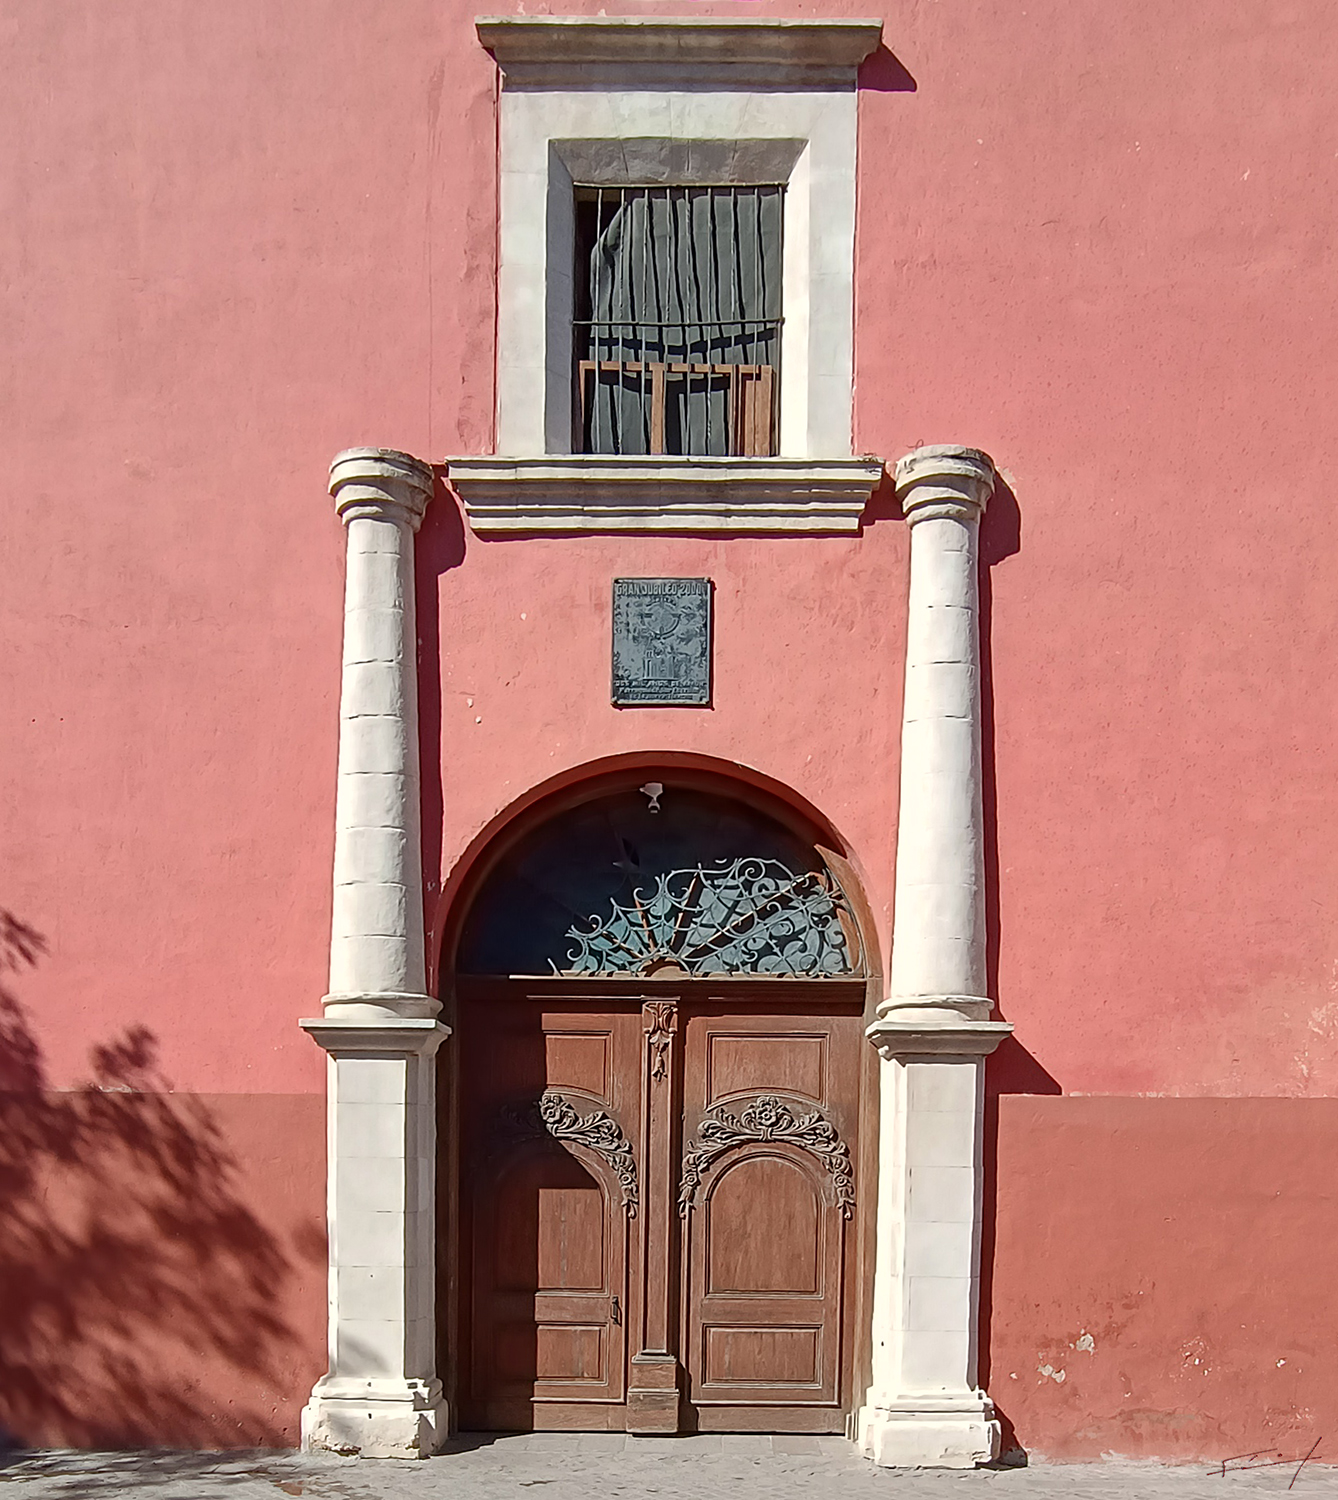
(910, 1040)
(677, 119)
(400, 1037)
(601, 492)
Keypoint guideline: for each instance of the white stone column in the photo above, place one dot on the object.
(933, 1032)
(381, 1397)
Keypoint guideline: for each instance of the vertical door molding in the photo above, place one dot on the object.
(654, 1383)
(380, 1397)
(924, 1406)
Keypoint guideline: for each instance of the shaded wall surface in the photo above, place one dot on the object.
(162, 1254)
(1092, 239)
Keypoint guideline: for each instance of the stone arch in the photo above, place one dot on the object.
(769, 802)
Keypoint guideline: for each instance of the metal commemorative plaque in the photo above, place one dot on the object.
(661, 641)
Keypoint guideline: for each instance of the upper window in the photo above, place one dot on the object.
(675, 278)
(677, 328)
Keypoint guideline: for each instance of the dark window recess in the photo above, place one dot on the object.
(677, 330)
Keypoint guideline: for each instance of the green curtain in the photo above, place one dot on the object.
(680, 275)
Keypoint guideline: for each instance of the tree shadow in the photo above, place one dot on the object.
(69, 1475)
(132, 1273)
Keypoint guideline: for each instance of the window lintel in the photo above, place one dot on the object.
(518, 42)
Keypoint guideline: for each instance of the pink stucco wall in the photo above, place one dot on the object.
(1092, 240)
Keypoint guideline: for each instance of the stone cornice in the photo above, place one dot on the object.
(909, 1039)
(576, 41)
(603, 493)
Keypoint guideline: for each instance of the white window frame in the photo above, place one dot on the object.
(626, 102)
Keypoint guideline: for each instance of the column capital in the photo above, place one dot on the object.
(380, 484)
(944, 482)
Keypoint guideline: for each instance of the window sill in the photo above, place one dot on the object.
(606, 492)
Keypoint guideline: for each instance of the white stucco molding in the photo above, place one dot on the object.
(341, 1036)
(695, 41)
(604, 492)
(654, 100)
(381, 1397)
(924, 1407)
(897, 1037)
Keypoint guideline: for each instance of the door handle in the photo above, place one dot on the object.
(616, 1312)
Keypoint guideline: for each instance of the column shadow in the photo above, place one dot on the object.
(1012, 1069)
(440, 546)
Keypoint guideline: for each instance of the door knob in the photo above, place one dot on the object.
(616, 1312)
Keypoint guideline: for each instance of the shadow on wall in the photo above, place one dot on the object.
(440, 547)
(1012, 1069)
(131, 1272)
(882, 72)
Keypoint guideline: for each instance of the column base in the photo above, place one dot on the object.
(652, 1395)
(930, 1433)
(375, 1418)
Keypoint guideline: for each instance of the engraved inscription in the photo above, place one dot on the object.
(661, 641)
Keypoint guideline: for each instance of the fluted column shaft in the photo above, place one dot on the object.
(381, 1397)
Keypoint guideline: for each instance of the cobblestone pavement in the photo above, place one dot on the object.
(613, 1467)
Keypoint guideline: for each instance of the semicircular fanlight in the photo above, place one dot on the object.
(747, 916)
(685, 882)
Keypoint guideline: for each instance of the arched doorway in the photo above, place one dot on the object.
(661, 1091)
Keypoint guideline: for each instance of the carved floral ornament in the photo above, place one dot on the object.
(766, 1119)
(746, 916)
(660, 1019)
(550, 1114)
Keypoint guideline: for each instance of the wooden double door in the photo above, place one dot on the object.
(659, 1199)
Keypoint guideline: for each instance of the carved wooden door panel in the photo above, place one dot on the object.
(767, 1193)
(550, 1190)
(657, 1198)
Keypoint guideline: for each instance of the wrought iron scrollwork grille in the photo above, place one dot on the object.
(749, 916)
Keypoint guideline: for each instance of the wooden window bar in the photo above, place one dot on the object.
(750, 398)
